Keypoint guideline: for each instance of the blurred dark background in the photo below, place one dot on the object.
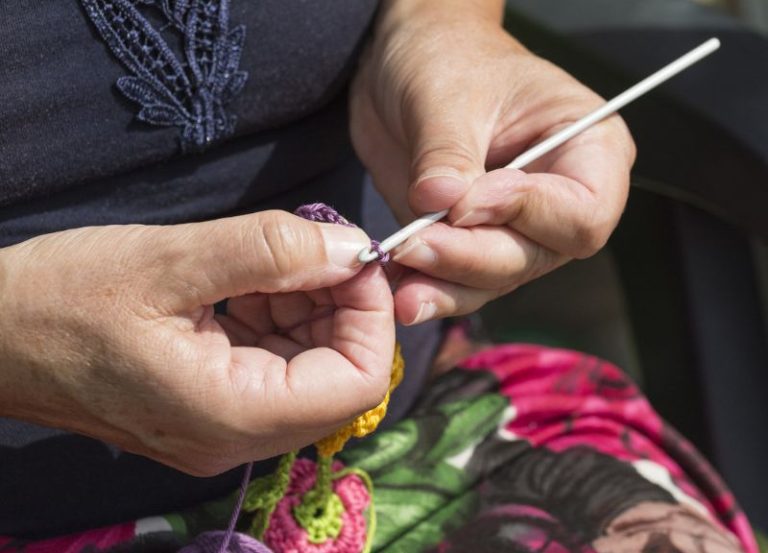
(679, 298)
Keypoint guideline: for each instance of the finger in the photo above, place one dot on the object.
(238, 333)
(353, 370)
(395, 272)
(384, 156)
(262, 397)
(572, 209)
(448, 148)
(269, 252)
(282, 346)
(290, 309)
(262, 314)
(252, 311)
(485, 257)
(298, 314)
(363, 325)
(421, 298)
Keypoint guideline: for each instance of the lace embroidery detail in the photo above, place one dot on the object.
(192, 94)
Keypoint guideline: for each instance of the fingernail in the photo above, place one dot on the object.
(427, 310)
(417, 254)
(343, 244)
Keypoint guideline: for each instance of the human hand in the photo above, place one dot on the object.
(110, 332)
(443, 94)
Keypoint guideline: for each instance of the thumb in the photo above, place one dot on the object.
(269, 252)
(446, 157)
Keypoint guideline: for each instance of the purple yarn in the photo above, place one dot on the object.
(210, 542)
(376, 248)
(229, 541)
(322, 213)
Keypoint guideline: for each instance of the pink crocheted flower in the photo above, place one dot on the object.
(286, 535)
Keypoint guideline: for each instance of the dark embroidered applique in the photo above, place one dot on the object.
(191, 95)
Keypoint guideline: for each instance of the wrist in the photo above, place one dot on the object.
(24, 343)
(489, 11)
(8, 361)
(397, 14)
(35, 358)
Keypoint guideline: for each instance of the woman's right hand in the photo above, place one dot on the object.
(110, 332)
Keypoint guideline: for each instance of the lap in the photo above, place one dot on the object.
(520, 448)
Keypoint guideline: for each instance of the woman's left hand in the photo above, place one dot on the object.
(442, 95)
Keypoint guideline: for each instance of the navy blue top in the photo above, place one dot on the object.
(161, 112)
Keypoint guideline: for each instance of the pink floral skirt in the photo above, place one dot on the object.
(521, 449)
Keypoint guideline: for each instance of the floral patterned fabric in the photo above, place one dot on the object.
(519, 449)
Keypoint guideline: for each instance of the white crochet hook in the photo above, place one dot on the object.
(609, 108)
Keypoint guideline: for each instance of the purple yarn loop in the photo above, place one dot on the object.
(322, 213)
(376, 248)
(211, 542)
(229, 541)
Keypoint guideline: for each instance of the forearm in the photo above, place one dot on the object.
(24, 388)
(5, 361)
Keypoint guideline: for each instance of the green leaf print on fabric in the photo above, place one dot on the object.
(468, 421)
(417, 468)
(383, 448)
(433, 529)
(208, 515)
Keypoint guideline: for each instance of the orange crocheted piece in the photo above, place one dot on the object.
(368, 421)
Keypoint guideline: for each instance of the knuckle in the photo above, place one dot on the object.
(473, 266)
(626, 140)
(445, 152)
(374, 393)
(282, 242)
(631, 149)
(533, 267)
(466, 304)
(593, 236)
(375, 387)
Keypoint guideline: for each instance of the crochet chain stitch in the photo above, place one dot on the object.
(322, 213)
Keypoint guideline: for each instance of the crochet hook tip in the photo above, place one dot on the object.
(366, 256)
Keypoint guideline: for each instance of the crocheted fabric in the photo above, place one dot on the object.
(305, 506)
(368, 421)
(340, 528)
(322, 213)
(191, 93)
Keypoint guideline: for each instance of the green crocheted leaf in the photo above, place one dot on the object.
(260, 493)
